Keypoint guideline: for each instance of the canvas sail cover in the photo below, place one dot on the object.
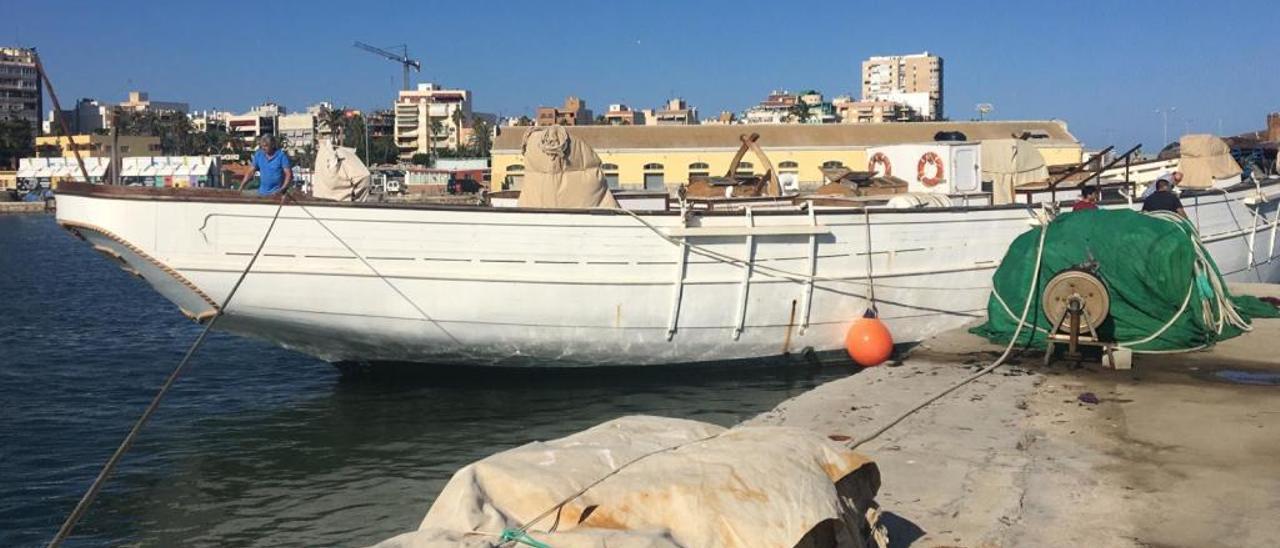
(694, 485)
(1205, 159)
(1009, 164)
(339, 174)
(562, 171)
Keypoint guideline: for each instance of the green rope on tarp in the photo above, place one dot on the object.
(521, 537)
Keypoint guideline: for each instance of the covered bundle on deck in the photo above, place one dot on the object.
(562, 171)
(1010, 164)
(1166, 291)
(339, 174)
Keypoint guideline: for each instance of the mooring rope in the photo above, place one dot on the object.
(1013, 341)
(375, 271)
(94, 488)
(519, 534)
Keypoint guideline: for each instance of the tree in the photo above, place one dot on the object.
(799, 112)
(421, 159)
(481, 137)
(17, 140)
(333, 120)
(524, 121)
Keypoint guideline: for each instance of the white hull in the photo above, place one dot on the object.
(512, 287)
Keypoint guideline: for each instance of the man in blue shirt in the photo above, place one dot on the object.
(272, 166)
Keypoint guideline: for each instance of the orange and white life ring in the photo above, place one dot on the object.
(880, 159)
(929, 159)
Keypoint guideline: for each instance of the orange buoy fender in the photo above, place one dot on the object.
(880, 159)
(868, 341)
(929, 159)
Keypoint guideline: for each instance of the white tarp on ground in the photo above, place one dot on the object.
(562, 171)
(339, 174)
(1205, 160)
(695, 485)
(1009, 164)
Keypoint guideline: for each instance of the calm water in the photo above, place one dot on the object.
(257, 445)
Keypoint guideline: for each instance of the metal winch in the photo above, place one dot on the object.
(1077, 302)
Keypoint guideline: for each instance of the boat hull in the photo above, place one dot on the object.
(450, 285)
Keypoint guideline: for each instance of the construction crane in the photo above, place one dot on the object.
(402, 58)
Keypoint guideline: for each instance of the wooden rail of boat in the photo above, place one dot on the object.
(832, 204)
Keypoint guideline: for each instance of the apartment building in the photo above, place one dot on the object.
(261, 120)
(573, 113)
(21, 91)
(623, 115)
(915, 80)
(676, 112)
(431, 118)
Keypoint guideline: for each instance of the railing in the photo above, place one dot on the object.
(1094, 175)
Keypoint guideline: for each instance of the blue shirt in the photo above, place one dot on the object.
(270, 170)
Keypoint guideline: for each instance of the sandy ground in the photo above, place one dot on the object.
(1171, 455)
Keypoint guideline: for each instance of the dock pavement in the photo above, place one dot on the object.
(1169, 453)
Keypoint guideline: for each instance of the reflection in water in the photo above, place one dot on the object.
(261, 446)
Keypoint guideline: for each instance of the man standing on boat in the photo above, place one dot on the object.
(1163, 199)
(1088, 199)
(272, 166)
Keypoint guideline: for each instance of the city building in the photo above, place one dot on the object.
(573, 113)
(261, 120)
(849, 111)
(382, 123)
(622, 115)
(774, 109)
(141, 101)
(430, 119)
(299, 130)
(21, 91)
(663, 157)
(87, 116)
(204, 120)
(98, 146)
(676, 112)
(901, 78)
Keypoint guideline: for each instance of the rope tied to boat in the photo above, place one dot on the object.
(94, 488)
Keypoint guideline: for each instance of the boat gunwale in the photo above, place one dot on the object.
(212, 195)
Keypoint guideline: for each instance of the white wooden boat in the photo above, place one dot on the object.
(469, 285)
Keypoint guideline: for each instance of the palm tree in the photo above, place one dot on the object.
(332, 120)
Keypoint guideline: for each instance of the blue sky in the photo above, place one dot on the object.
(1105, 67)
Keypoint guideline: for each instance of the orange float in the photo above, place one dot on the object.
(929, 159)
(880, 159)
(868, 341)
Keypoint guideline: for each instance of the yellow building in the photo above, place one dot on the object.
(663, 157)
(99, 146)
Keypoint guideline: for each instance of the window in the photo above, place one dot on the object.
(653, 177)
(788, 165)
(611, 175)
(832, 164)
(745, 168)
(699, 166)
(515, 167)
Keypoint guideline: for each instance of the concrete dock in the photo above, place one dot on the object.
(21, 207)
(1171, 453)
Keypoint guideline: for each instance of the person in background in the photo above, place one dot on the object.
(272, 165)
(1088, 199)
(1163, 199)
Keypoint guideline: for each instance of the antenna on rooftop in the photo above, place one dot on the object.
(983, 109)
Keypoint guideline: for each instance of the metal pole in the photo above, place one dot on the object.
(62, 120)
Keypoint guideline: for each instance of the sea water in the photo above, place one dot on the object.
(257, 445)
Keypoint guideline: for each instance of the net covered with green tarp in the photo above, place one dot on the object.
(1166, 292)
